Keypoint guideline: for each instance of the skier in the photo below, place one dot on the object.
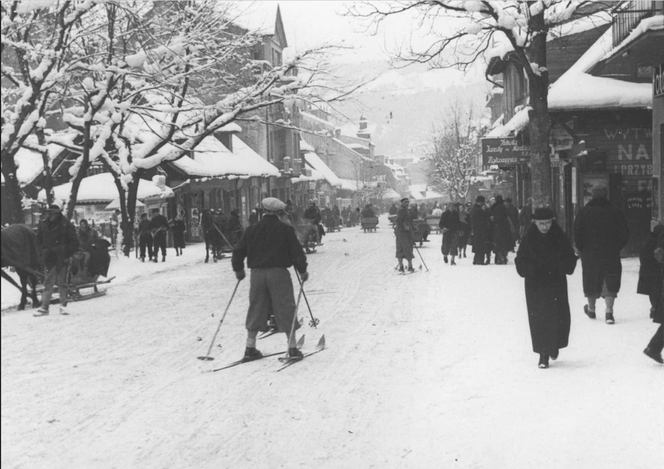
(544, 258)
(271, 247)
(403, 230)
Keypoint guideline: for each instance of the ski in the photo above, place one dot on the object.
(267, 334)
(287, 361)
(300, 343)
(407, 272)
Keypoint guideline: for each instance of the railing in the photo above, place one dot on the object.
(627, 18)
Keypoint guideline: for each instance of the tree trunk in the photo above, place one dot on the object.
(14, 195)
(539, 117)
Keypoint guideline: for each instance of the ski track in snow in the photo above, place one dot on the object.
(432, 370)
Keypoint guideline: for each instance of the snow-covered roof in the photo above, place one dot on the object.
(212, 159)
(319, 165)
(29, 163)
(391, 194)
(101, 188)
(315, 176)
(256, 19)
(304, 146)
(348, 184)
(356, 146)
(576, 89)
(515, 125)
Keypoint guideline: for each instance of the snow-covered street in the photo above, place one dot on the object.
(431, 370)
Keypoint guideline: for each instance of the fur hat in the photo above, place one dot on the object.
(405, 199)
(273, 204)
(480, 198)
(499, 199)
(543, 213)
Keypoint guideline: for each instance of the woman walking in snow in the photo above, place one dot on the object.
(450, 225)
(544, 258)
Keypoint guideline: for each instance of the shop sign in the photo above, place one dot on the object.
(504, 151)
(658, 81)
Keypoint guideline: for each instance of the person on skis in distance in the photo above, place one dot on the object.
(403, 229)
(271, 247)
(544, 259)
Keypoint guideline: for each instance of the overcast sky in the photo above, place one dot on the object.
(312, 23)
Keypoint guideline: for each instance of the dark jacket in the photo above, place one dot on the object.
(178, 228)
(479, 223)
(368, 212)
(159, 225)
(544, 261)
(86, 234)
(404, 222)
(513, 215)
(650, 271)
(144, 228)
(57, 240)
(450, 220)
(600, 232)
(269, 243)
(312, 213)
(502, 234)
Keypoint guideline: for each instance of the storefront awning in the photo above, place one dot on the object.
(317, 164)
(212, 159)
(101, 188)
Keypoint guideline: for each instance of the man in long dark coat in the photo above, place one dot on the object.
(656, 344)
(544, 259)
(57, 239)
(600, 232)
(502, 235)
(403, 229)
(479, 219)
(450, 225)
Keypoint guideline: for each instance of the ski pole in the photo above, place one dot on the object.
(207, 356)
(292, 330)
(420, 254)
(314, 321)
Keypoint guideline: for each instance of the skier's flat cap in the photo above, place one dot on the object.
(273, 204)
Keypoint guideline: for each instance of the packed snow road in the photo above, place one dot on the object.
(430, 370)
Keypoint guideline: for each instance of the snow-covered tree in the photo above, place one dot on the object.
(455, 151)
(140, 82)
(458, 33)
(36, 37)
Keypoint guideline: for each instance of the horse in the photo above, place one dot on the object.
(212, 233)
(19, 250)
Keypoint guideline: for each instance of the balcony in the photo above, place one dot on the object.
(626, 19)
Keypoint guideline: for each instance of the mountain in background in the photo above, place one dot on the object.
(404, 106)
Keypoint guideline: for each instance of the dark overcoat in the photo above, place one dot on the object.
(57, 239)
(650, 271)
(479, 222)
(450, 224)
(544, 261)
(600, 232)
(502, 234)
